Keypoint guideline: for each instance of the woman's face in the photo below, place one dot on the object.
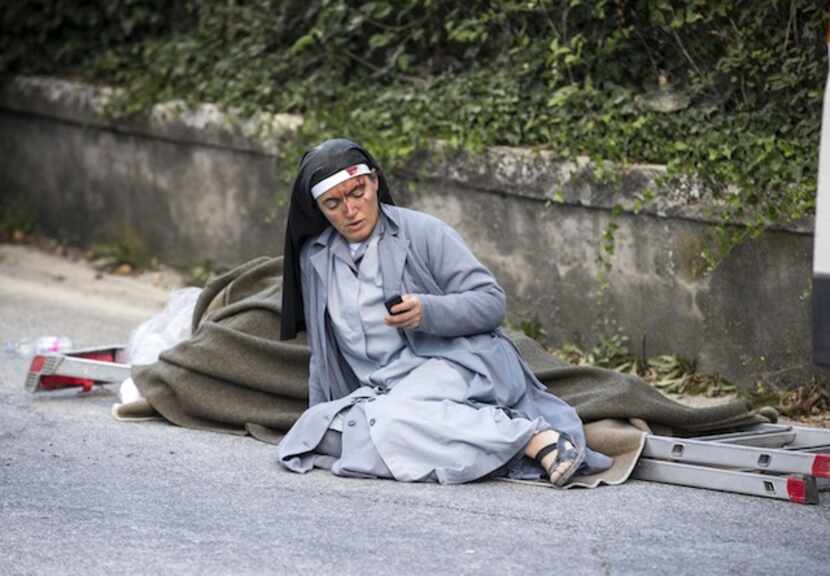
(352, 207)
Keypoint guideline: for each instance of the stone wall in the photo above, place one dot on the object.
(203, 185)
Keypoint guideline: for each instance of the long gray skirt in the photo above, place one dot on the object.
(417, 429)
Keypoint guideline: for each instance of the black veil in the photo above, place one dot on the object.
(305, 220)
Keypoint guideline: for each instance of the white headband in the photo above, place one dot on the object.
(327, 184)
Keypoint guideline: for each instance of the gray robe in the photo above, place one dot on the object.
(463, 307)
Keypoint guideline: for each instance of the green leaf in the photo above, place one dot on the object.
(380, 40)
(302, 43)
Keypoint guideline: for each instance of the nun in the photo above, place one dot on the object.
(410, 377)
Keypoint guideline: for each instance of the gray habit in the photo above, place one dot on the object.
(451, 401)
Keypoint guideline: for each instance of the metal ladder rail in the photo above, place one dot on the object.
(774, 436)
(764, 435)
(794, 488)
(811, 438)
(736, 456)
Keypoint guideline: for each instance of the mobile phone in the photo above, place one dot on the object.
(393, 301)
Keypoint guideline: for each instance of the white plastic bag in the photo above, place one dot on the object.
(165, 329)
(128, 392)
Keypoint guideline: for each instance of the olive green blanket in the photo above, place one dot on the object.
(234, 375)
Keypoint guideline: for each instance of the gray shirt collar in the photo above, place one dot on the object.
(339, 248)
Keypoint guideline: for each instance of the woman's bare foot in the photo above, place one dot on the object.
(543, 440)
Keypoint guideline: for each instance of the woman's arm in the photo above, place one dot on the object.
(471, 302)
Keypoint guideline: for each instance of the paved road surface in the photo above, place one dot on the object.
(83, 494)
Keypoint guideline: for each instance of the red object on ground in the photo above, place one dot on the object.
(821, 466)
(797, 490)
(57, 382)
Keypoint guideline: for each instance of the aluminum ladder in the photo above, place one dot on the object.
(771, 460)
(78, 368)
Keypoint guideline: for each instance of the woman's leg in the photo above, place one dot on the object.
(550, 438)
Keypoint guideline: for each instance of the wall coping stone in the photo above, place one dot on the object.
(513, 171)
(539, 174)
(203, 124)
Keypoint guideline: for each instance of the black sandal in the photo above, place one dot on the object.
(564, 454)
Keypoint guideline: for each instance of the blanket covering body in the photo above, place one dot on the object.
(264, 390)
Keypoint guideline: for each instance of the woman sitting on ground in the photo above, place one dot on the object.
(411, 377)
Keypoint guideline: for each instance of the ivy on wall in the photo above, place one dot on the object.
(727, 91)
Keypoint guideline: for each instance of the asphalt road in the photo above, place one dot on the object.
(83, 494)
